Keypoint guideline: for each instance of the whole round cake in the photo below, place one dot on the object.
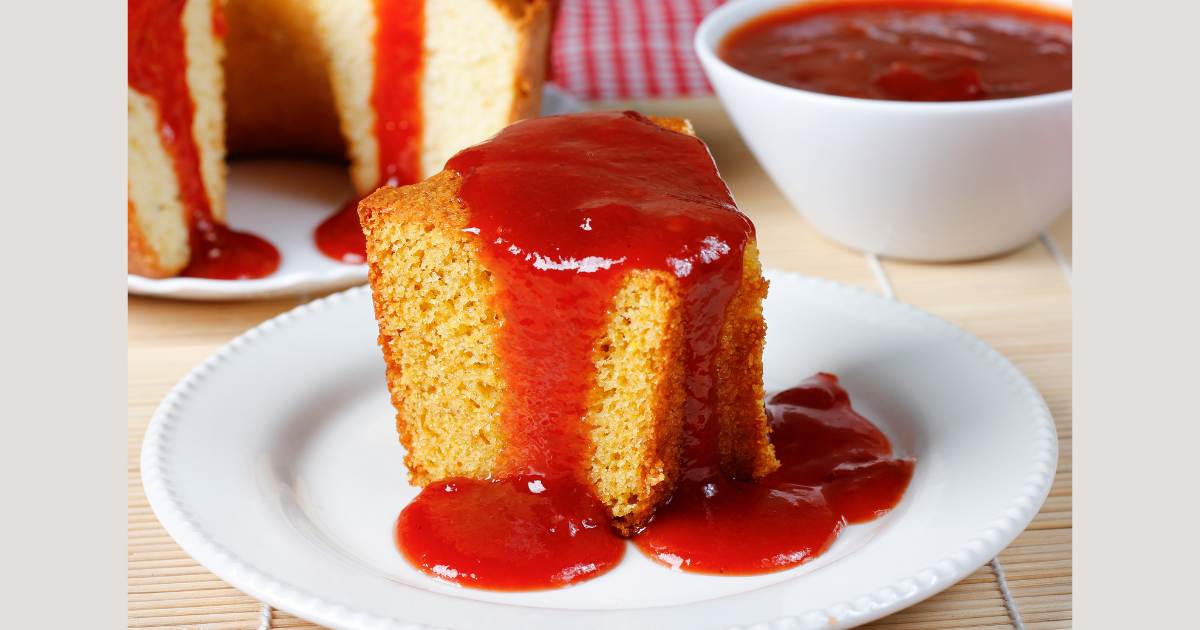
(394, 86)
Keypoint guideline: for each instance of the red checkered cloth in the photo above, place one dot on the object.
(621, 49)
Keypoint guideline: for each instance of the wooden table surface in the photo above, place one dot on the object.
(1019, 303)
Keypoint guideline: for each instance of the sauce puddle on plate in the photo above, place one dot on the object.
(512, 533)
(219, 253)
(836, 468)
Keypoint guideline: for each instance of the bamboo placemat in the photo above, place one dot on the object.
(1020, 303)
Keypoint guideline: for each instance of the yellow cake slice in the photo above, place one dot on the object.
(435, 302)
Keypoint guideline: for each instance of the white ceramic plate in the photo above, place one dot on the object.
(275, 464)
(284, 201)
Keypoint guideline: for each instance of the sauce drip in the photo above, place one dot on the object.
(396, 93)
(836, 468)
(908, 50)
(340, 236)
(396, 99)
(564, 208)
(158, 69)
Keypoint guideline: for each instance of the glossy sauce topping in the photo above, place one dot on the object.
(564, 207)
(908, 50)
(158, 70)
(837, 468)
(396, 99)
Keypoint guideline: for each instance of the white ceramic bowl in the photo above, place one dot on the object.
(924, 181)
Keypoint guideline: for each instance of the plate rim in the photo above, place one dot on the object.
(871, 604)
(296, 283)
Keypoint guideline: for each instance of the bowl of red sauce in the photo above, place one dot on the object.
(922, 129)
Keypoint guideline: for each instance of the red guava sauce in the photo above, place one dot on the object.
(908, 50)
(220, 25)
(836, 468)
(219, 253)
(396, 99)
(340, 236)
(396, 94)
(514, 533)
(158, 70)
(564, 207)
